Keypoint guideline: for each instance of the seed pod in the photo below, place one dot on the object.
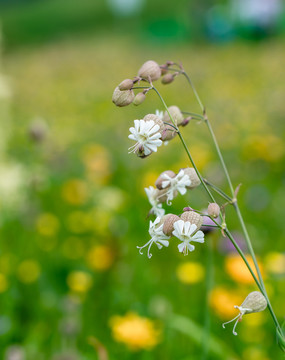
(150, 69)
(213, 210)
(195, 181)
(167, 79)
(168, 221)
(254, 302)
(139, 99)
(160, 179)
(176, 115)
(193, 218)
(168, 132)
(126, 84)
(123, 98)
(157, 120)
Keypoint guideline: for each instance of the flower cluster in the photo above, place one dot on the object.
(185, 228)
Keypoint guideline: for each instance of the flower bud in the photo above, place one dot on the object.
(122, 98)
(213, 210)
(193, 218)
(176, 115)
(126, 84)
(150, 69)
(139, 99)
(167, 79)
(164, 69)
(160, 179)
(168, 221)
(38, 130)
(168, 132)
(156, 119)
(195, 181)
(186, 121)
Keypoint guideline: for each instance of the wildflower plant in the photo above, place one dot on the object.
(149, 133)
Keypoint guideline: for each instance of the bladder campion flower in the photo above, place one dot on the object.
(157, 236)
(254, 302)
(177, 183)
(147, 137)
(185, 231)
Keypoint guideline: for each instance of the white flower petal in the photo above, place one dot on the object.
(181, 247)
(187, 227)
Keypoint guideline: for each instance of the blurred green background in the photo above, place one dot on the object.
(73, 207)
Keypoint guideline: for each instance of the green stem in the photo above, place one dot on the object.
(219, 191)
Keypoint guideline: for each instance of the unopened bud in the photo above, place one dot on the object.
(168, 132)
(176, 115)
(123, 98)
(168, 221)
(193, 218)
(186, 121)
(139, 99)
(161, 179)
(213, 210)
(38, 130)
(150, 70)
(126, 84)
(164, 69)
(195, 181)
(167, 79)
(254, 302)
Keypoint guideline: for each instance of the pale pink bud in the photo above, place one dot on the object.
(195, 181)
(150, 70)
(139, 99)
(167, 79)
(123, 98)
(126, 84)
(168, 221)
(213, 210)
(176, 115)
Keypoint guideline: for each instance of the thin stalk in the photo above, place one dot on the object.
(193, 114)
(219, 191)
(207, 315)
(259, 283)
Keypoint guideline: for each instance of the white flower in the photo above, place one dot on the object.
(152, 198)
(178, 183)
(146, 134)
(159, 113)
(184, 231)
(157, 236)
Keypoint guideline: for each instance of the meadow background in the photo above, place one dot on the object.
(73, 207)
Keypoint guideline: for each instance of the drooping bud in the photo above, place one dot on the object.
(161, 178)
(213, 210)
(254, 302)
(193, 218)
(186, 121)
(150, 69)
(195, 181)
(164, 69)
(139, 99)
(167, 79)
(176, 115)
(168, 132)
(38, 130)
(126, 84)
(168, 221)
(157, 120)
(123, 98)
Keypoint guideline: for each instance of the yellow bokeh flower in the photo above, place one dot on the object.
(237, 269)
(275, 263)
(47, 224)
(136, 332)
(79, 281)
(28, 271)
(75, 192)
(79, 222)
(223, 300)
(3, 283)
(254, 353)
(100, 257)
(190, 272)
